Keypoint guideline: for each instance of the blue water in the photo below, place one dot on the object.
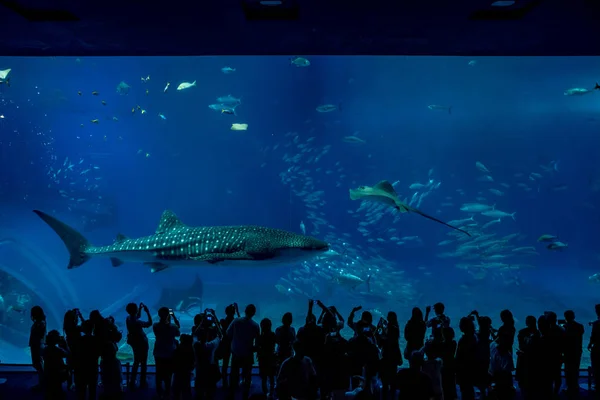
(508, 113)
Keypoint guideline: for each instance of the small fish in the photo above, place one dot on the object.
(79, 92)
(302, 228)
(597, 87)
(115, 119)
(103, 102)
(229, 100)
(186, 85)
(167, 87)
(132, 110)
(547, 238)
(95, 121)
(438, 107)
(472, 63)
(353, 140)
(227, 70)
(325, 108)
(498, 214)
(557, 246)
(239, 127)
(94, 93)
(162, 116)
(481, 167)
(299, 62)
(579, 91)
(147, 91)
(146, 79)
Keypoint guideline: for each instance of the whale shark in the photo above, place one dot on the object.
(176, 244)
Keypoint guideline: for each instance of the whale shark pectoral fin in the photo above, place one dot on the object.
(219, 257)
(156, 266)
(115, 261)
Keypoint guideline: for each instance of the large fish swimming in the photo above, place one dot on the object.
(176, 244)
(383, 192)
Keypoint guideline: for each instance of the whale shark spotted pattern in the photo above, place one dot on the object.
(175, 243)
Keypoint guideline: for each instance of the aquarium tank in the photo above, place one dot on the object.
(382, 182)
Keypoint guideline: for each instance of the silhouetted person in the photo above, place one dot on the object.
(414, 332)
(110, 365)
(165, 333)
(86, 374)
(594, 348)
(413, 383)
(285, 336)
(335, 376)
(365, 353)
(225, 346)
(438, 322)
(297, 376)
(528, 338)
(183, 361)
(137, 339)
(572, 352)
(432, 366)
(243, 333)
(484, 340)
(37, 337)
(544, 359)
(312, 336)
(466, 359)
(265, 353)
(72, 333)
(557, 336)
(388, 339)
(55, 371)
(448, 352)
(207, 367)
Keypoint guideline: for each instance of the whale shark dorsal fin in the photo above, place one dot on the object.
(168, 221)
(121, 238)
(386, 187)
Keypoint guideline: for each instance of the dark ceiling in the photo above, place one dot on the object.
(219, 27)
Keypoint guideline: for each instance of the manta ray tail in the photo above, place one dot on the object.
(74, 241)
(421, 213)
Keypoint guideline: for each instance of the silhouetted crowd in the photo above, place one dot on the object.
(317, 361)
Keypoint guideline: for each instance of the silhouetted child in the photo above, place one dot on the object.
(37, 337)
(432, 367)
(414, 384)
(265, 352)
(110, 369)
(285, 335)
(183, 361)
(86, 374)
(297, 376)
(55, 371)
(207, 367)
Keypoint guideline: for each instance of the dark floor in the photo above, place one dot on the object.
(20, 380)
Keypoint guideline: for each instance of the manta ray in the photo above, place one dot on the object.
(383, 192)
(175, 243)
